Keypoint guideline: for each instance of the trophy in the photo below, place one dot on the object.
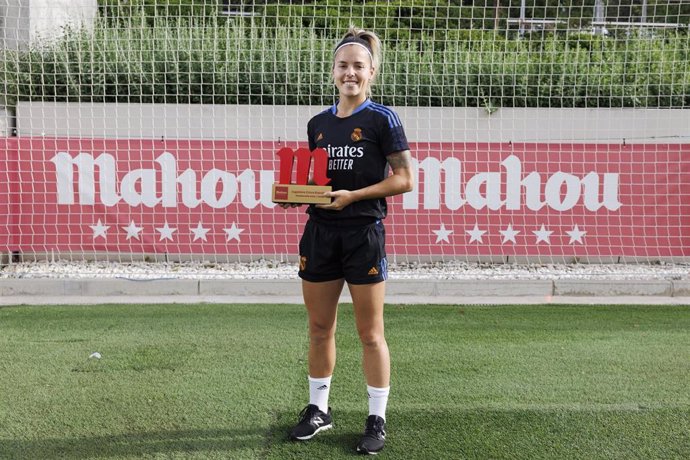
(301, 191)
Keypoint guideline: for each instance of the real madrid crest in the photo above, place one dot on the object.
(356, 135)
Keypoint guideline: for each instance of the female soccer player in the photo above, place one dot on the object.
(344, 241)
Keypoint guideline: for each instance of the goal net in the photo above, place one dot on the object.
(542, 131)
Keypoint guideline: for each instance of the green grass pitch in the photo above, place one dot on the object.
(227, 381)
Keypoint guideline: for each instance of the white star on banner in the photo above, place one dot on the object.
(476, 234)
(99, 229)
(233, 232)
(509, 234)
(576, 235)
(442, 234)
(543, 235)
(132, 230)
(200, 232)
(166, 232)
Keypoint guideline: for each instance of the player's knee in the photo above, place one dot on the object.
(320, 333)
(372, 339)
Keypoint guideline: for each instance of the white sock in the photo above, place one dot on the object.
(318, 392)
(378, 399)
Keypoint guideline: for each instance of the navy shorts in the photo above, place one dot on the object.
(329, 252)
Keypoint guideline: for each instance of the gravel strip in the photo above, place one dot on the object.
(272, 269)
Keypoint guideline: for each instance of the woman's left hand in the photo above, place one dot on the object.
(341, 198)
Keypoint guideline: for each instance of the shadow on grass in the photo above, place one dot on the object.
(222, 441)
(412, 434)
(548, 433)
(199, 443)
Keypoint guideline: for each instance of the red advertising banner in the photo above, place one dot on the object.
(214, 197)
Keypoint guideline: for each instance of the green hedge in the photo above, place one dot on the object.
(401, 18)
(151, 9)
(236, 63)
(395, 19)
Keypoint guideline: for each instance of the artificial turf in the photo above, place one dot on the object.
(227, 381)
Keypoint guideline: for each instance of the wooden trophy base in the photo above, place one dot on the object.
(300, 194)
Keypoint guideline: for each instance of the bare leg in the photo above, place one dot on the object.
(321, 300)
(368, 302)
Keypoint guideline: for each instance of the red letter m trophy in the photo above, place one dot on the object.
(302, 191)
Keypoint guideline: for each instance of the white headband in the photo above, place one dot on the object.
(358, 44)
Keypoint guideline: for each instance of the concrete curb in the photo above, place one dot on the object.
(613, 288)
(681, 288)
(91, 287)
(50, 291)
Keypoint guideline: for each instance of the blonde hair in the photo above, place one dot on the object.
(371, 38)
(368, 39)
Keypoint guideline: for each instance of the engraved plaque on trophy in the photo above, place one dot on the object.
(301, 191)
